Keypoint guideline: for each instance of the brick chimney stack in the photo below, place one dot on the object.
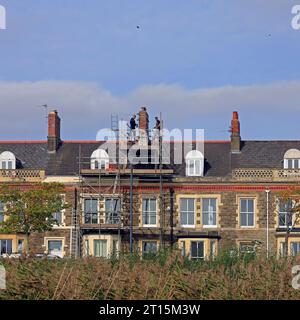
(53, 132)
(143, 127)
(143, 119)
(235, 133)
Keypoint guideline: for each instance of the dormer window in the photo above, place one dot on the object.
(7, 161)
(194, 164)
(99, 160)
(292, 159)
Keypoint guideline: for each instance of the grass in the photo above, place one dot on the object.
(164, 276)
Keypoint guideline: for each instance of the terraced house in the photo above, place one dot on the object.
(224, 196)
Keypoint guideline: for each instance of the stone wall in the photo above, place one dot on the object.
(228, 231)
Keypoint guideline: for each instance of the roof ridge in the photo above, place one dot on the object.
(22, 141)
(102, 141)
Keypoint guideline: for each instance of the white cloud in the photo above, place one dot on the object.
(86, 107)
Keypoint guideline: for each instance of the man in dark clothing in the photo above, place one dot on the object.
(157, 124)
(133, 127)
(156, 130)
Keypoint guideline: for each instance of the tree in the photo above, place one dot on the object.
(31, 210)
(290, 203)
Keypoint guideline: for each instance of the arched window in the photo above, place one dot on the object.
(194, 164)
(7, 161)
(292, 159)
(99, 159)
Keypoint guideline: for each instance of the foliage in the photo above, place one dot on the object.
(291, 197)
(171, 277)
(31, 210)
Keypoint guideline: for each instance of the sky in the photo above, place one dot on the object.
(195, 61)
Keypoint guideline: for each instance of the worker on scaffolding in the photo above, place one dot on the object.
(133, 126)
(156, 129)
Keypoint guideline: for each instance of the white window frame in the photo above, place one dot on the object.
(209, 212)
(245, 244)
(282, 247)
(198, 257)
(101, 241)
(298, 247)
(293, 162)
(6, 246)
(56, 223)
(149, 212)
(194, 164)
(118, 212)
(20, 246)
(99, 160)
(58, 241)
(187, 212)
(87, 247)
(292, 155)
(151, 252)
(62, 212)
(213, 248)
(83, 209)
(247, 213)
(7, 161)
(183, 248)
(285, 218)
(115, 249)
(2, 212)
(61, 239)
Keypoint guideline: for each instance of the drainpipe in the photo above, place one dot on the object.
(267, 193)
(131, 210)
(171, 217)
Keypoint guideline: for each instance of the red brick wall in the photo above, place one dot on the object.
(143, 119)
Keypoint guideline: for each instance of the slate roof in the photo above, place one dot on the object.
(262, 154)
(31, 155)
(218, 159)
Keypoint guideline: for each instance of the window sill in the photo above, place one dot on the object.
(247, 227)
(210, 226)
(149, 225)
(92, 223)
(195, 175)
(188, 226)
(59, 225)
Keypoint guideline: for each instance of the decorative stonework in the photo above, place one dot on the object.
(266, 175)
(22, 175)
(253, 174)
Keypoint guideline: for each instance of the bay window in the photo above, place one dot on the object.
(100, 248)
(197, 250)
(149, 247)
(5, 246)
(295, 248)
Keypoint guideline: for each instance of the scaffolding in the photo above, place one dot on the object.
(121, 177)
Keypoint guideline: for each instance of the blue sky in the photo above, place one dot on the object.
(195, 61)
